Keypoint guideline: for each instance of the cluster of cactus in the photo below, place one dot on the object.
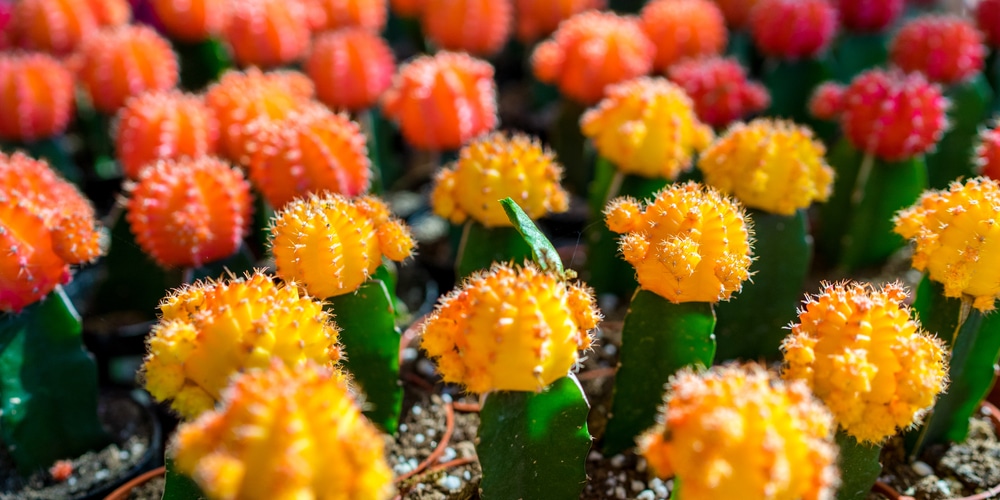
(696, 134)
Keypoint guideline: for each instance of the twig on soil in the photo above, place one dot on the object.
(466, 407)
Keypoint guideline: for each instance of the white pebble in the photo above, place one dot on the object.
(403, 427)
(637, 485)
(620, 493)
(417, 410)
(446, 398)
(402, 468)
(102, 474)
(425, 368)
(448, 455)
(450, 483)
(467, 475)
(409, 354)
(659, 488)
(431, 432)
(595, 456)
(922, 469)
(646, 495)
(610, 349)
(419, 439)
(640, 465)
(618, 461)
(123, 455)
(412, 463)
(71, 481)
(622, 477)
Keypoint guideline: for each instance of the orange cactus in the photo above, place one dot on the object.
(121, 62)
(46, 225)
(737, 12)
(310, 151)
(268, 33)
(683, 28)
(109, 13)
(443, 101)
(351, 67)
(192, 20)
(239, 98)
(36, 91)
(591, 51)
(54, 26)
(162, 125)
(189, 212)
(335, 14)
(537, 20)
(479, 27)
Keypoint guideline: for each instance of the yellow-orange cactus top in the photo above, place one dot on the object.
(286, 434)
(733, 432)
(690, 244)
(510, 329)
(492, 168)
(862, 354)
(210, 331)
(331, 244)
(774, 166)
(957, 232)
(647, 127)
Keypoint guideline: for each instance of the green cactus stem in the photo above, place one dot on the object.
(740, 46)
(753, 326)
(658, 339)
(48, 386)
(627, 6)
(791, 84)
(534, 445)
(608, 272)
(54, 150)
(177, 486)
(201, 62)
(569, 145)
(855, 53)
(386, 169)
(993, 75)
(974, 342)
(367, 320)
(859, 467)
(481, 246)
(95, 127)
(953, 158)
(856, 228)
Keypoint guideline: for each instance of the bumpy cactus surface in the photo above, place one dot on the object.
(351, 67)
(537, 20)
(683, 29)
(36, 90)
(720, 89)
(286, 433)
(53, 26)
(268, 33)
(479, 27)
(337, 14)
(191, 20)
(988, 153)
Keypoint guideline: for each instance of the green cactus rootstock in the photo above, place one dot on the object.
(177, 486)
(855, 53)
(570, 147)
(367, 320)
(973, 338)
(752, 325)
(607, 271)
(859, 467)
(856, 228)
(658, 339)
(953, 158)
(534, 445)
(791, 84)
(481, 246)
(54, 150)
(48, 386)
(202, 62)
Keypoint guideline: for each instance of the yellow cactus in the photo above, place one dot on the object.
(774, 166)
(862, 354)
(332, 244)
(210, 331)
(647, 127)
(957, 235)
(733, 432)
(510, 329)
(495, 167)
(690, 244)
(285, 433)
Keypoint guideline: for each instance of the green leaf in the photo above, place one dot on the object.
(658, 339)
(202, 62)
(542, 251)
(535, 445)
(859, 467)
(481, 246)
(48, 386)
(753, 323)
(859, 52)
(974, 346)
(954, 155)
(371, 342)
(179, 486)
(608, 272)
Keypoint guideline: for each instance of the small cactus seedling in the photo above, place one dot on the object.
(478, 27)
(719, 87)
(588, 53)
(875, 368)
(514, 333)
(736, 432)
(333, 247)
(683, 29)
(890, 120)
(949, 51)
(798, 59)
(285, 433)
(690, 247)
(646, 134)
(268, 33)
(48, 394)
(488, 169)
(864, 43)
(210, 331)
(956, 234)
(777, 170)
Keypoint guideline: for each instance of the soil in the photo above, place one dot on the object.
(134, 446)
(150, 490)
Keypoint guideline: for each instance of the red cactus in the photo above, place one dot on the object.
(793, 29)
(268, 33)
(869, 16)
(827, 101)
(683, 28)
(539, 19)
(189, 212)
(988, 153)
(893, 115)
(479, 27)
(351, 68)
(54, 26)
(947, 49)
(38, 92)
(988, 19)
(720, 89)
